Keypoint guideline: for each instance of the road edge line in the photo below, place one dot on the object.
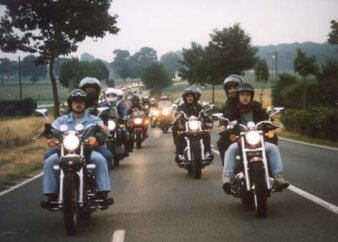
(118, 235)
(20, 184)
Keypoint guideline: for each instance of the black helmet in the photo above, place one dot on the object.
(245, 87)
(198, 92)
(231, 81)
(135, 99)
(190, 90)
(77, 94)
(90, 82)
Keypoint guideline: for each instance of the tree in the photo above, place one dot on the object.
(194, 64)
(145, 57)
(121, 63)
(229, 52)
(53, 28)
(74, 70)
(87, 57)
(7, 68)
(155, 77)
(305, 65)
(29, 68)
(333, 35)
(171, 62)
(261, 74)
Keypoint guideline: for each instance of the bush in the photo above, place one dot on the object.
(28, 106)
(317, 122)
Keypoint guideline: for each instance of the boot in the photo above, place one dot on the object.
(227, 182)
(280, 183)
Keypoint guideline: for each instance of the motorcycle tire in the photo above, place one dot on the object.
(70, 196)
(196, 162)
(138, 139)
(261, 191)
(116, 162)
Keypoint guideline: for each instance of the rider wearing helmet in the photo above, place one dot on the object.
(136, 104)
(92, 87)
(229, 85)
(245, 110)
(77, 101)
(113, 102)
(153, 102)
(190, 107)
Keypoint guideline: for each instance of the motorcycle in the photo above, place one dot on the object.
(137, 122)
(153, 116)
(165, 119)
(194, 155)
(251, 182)
(114, 139)
(77, 183)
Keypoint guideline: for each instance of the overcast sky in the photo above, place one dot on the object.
(170, 25)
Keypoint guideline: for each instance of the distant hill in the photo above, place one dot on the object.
(287, 53)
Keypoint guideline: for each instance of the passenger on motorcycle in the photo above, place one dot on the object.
(112, 101)
(77, 103)
(245, 110)
(191, 107)
(92, 87)
(153, 103)
(230, 85)
(136, 104)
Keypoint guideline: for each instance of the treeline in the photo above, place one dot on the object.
(311, 98)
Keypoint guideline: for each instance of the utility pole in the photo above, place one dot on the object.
(20, 85)
(276, 65)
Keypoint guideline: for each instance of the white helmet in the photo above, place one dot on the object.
(90, 82)
(111, 95)
(119, 93)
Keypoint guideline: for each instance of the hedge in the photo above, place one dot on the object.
(317, 122)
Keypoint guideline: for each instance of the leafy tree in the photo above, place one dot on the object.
(87, 57)
(194, 64)
(261, 74)
(171, 62)
(53, 28)
(328, 84)
(29, 68)
(145, 57)
(229, 52)
(305, 65)
(156, 77)
(333, 35)
(74, 70)
(121, 63)
(7, 68)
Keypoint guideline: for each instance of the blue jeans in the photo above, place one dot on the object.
(272, 154)
(50, 178)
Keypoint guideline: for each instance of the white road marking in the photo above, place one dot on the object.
(20, 184)
(118, 235)
(308, 196)
(309, 144)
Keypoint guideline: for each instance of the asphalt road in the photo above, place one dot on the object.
(157, 201)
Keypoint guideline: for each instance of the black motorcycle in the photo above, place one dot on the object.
(77, 184)
(194, 155)
(137, 123)
(251, 183)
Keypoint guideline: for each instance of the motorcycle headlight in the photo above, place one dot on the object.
(138, 120)
(71, 142)
(253, 138)
(165, 111)
(156, 113)
(111, 125)
(193, 125)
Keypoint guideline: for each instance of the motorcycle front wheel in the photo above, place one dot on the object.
(70, 197)
(261, 191)
(196, 163)
(138, 139)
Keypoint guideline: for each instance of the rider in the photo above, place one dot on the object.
(191, 107)
(230, 85)
(244, 111)
(136, 104)
(77, 102)
(92, 87)
(153, 103)
(113, 101)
